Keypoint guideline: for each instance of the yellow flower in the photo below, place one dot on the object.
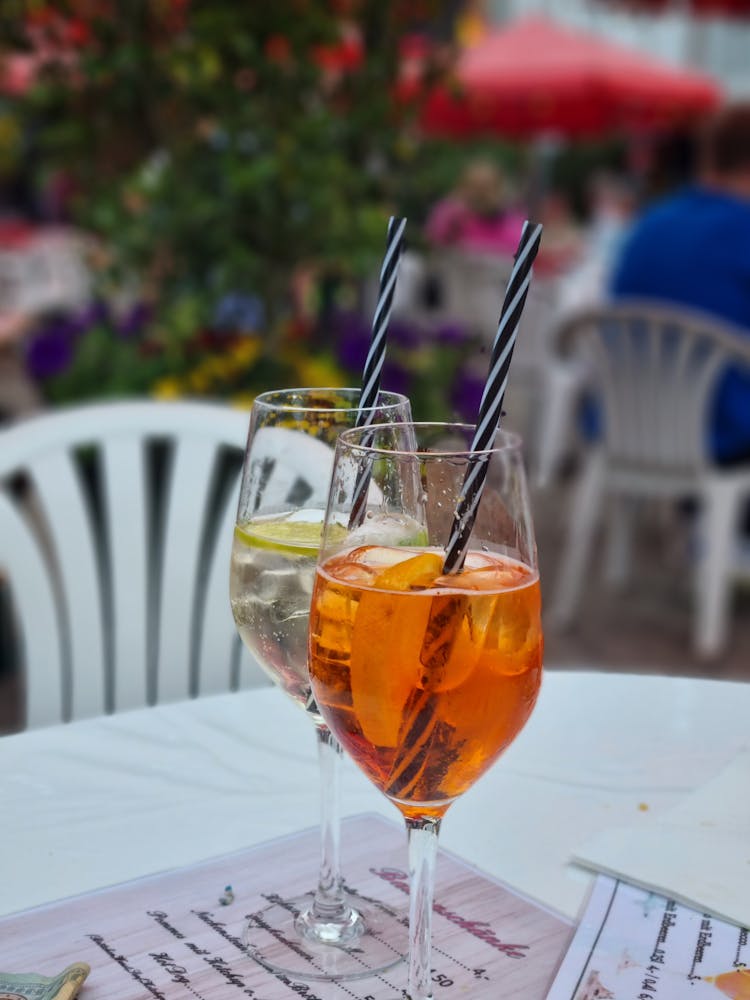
(199, 380)
(205, 369)
(319, 372)
(223, 367)
(247, 351)
(167, 388)
(243, 400)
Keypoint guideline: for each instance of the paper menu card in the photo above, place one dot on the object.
(632, 944)
(168, 937)
(698, 852)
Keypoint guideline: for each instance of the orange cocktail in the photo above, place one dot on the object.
(425, 625)
(424, 678)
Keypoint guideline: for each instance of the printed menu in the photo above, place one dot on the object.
(179, 935)
(636, 945)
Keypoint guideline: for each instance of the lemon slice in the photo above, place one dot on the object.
(291, 534)
(298, 538)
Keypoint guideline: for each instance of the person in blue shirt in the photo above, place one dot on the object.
(693, 249)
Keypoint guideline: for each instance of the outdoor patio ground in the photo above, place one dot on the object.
(646, 627)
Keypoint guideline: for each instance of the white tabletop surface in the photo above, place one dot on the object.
(105, 800)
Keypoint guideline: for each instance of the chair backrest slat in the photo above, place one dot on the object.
(187, 497)
(712, 364)
(217, 641)
(37, 615)
(71, 529)
(674, 440)
(127, 536)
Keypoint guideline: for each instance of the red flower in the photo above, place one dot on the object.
(77, 32)
(278, 49)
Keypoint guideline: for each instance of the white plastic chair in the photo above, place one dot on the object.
(469, 285)
(116, 554)
(559, 390)
(473, 285)
(653, 369)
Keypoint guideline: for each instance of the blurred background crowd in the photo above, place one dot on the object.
(193, 199)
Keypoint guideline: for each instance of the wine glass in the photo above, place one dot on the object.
(425, 677)
(329, 933)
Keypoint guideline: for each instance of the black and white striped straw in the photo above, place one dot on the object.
(491, 405)
(381, 319)
(376, 354)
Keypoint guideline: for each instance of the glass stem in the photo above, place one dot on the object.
(423, 844)
(330, 902)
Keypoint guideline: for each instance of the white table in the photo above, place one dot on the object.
(109, 799)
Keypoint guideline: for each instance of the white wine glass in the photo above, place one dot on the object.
(425, 677)
(329, 932)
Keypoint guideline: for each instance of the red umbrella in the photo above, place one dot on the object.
(720, 8)
(535, 76)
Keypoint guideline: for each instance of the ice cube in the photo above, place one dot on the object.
(479, 560)
(355, 572)
(273, 585)
(377, 557)
(389, 530)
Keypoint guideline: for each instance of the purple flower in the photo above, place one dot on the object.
(94, 313)
(353, 337)
(467, 394)
(50, 352)
(131, 324)
(395, 378)
(451, 334)
(404, 334)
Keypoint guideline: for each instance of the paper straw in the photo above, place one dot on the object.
(376, 354)
(491, 405)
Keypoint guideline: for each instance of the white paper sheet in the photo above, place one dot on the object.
(698, 852)
(636, 945)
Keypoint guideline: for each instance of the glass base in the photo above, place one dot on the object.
(285, 939)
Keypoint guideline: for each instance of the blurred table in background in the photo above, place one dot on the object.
(110, 799)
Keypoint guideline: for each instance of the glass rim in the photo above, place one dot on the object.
(393, 401)
(511, 441)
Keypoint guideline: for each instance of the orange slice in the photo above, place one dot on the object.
(449, 653)
(418, 572)
(384, 663)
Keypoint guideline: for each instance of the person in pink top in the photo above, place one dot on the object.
(476, 216)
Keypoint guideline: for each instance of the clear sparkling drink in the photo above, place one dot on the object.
(271, 580)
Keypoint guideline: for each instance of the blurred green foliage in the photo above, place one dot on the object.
(225, 147)
(217, 146)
